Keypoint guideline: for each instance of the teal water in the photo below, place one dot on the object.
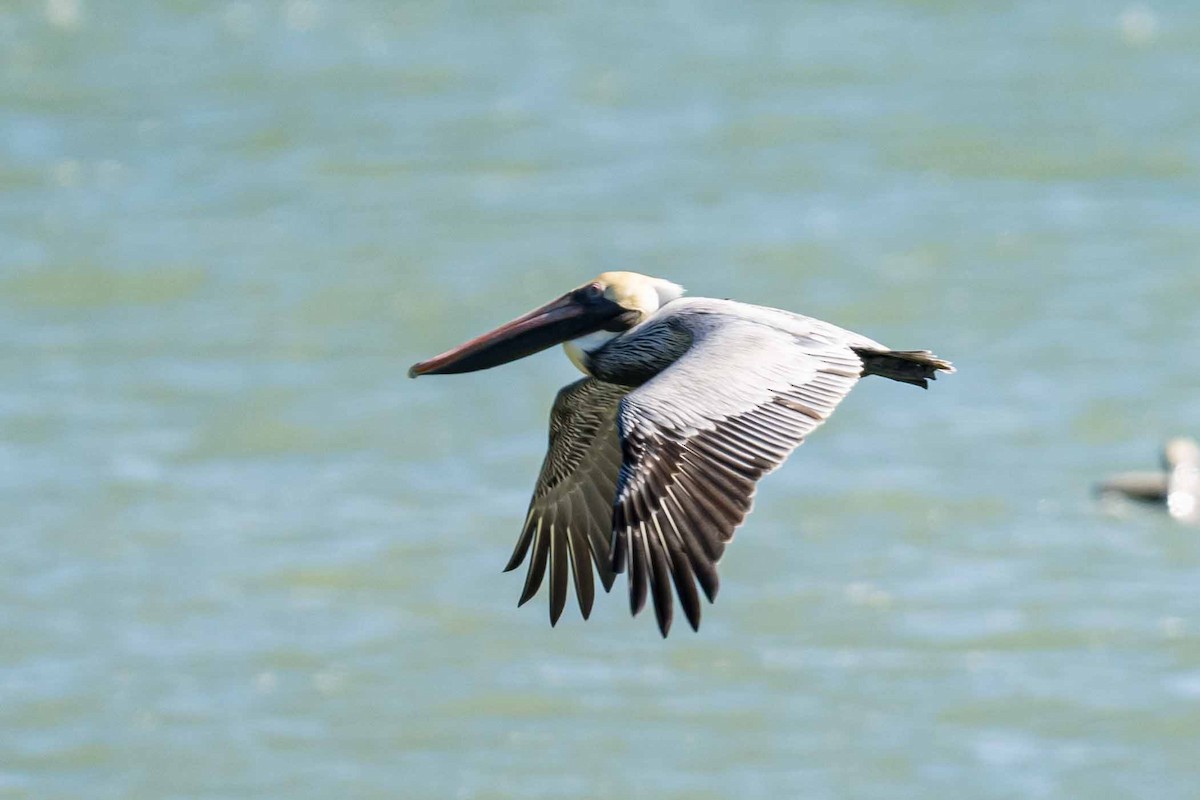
(241, 555)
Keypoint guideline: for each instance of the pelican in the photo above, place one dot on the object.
(1177, 486)
(654, 456)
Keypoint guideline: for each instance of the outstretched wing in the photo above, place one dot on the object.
(570, 515)
(699, 435)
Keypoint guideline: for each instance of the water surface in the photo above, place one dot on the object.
(243, 556)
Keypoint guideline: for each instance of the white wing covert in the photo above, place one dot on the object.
(697, 438)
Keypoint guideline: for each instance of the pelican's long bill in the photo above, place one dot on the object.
(574, 314)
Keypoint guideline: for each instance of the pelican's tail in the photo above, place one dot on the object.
(917, 367)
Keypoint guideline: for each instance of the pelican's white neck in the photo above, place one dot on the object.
(667, 291)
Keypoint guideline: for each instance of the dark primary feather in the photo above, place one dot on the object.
(569, 523)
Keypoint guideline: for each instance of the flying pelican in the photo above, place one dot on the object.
(1177, 486)
(654, 456)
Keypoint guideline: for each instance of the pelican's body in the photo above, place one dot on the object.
(1176, 487)
(654, 455)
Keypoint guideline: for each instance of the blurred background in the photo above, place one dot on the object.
(241, 555)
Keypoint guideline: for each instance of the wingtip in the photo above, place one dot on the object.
(527, 595)
(556, 610)
(585, 598)
(711, 588)
(664, 621)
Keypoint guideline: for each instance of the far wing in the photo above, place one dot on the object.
(570, 515)
(697, 438)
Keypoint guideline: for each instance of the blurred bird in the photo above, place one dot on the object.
(654, 456)
(1177, 486)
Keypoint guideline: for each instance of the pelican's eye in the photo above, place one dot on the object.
(589, 293)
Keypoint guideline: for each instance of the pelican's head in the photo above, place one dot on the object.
(586, 317)
(1181, 452)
